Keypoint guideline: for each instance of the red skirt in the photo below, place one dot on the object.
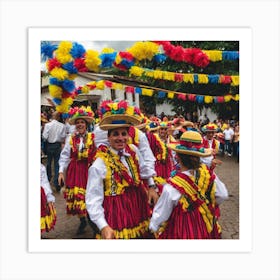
(76, 182)
(186, 225)
(128, 214)
(48, 214)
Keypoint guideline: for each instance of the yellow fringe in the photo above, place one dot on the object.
(130, 233)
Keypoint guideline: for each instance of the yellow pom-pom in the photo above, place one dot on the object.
(170, 94)
(208, 99)
(147, 92)
(188, 78)
(234, 80)
(55, 91)
(227, 98)
(59, 73)
(92, 60)
(144, 50)
(108, 50)
(214, 55)
(62, 53)
(100, 85)
(136, 71)
(85, 89)
(202, 79)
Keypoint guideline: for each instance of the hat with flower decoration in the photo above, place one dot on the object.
(153, 126)
(190, 143)
(210, 127)
(163, 125)
(82, 112)
(115, 114)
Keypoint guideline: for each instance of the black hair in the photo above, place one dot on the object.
(189, 161)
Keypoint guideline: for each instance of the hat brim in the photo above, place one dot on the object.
(89, 120)
(113, 126)
(141, 126)
(107, 122)
(153, 129)
(187, 123)
(207, 152)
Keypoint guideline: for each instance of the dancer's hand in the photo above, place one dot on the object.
(61, 179)
(107, 233)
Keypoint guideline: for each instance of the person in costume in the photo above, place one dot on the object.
(116, 198)
(209, 142)
(164, 158)
(138, 138)
(48, 211)
(186, 207)
(75, 159)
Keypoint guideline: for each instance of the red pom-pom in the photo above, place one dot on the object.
(52, 63)
(79, 63)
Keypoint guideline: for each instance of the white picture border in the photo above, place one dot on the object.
(262, 261)
(243, 35)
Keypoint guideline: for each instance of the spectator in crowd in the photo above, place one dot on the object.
(235, 142)
(228, 132)
(54, 133)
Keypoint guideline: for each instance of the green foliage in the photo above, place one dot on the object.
(224, 67)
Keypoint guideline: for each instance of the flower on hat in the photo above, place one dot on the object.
(81, 112)
(108, 107)
(210, 127)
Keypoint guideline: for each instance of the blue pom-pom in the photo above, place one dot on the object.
(195, 78)
(160, 58)
(68, 85)
(199, 99)
(107, 59)
(127, 64)
(138, 90)
(213, 79)
(161, 94)
(47, 49)
(70, 67)
(57, 101)
(230, 55)
(55, 81)
(77, 50)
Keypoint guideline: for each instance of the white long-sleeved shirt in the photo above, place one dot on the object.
(170, 197)
(44, 182)
(54, 131)
(95, 185)
(64, 158)
(101, 138)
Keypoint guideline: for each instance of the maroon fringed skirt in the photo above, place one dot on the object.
(185, 225)
(76, 182)
(128, 214)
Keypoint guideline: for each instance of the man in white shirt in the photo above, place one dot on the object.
(54, 133)
(228, 132)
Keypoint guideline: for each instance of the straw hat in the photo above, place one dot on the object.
(82, 112)
(210, 127)
(187, 124)
(144, 122)
(118, 114)
(190, 144)
(153, 126)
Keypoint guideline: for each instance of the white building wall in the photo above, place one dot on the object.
(167, 109)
